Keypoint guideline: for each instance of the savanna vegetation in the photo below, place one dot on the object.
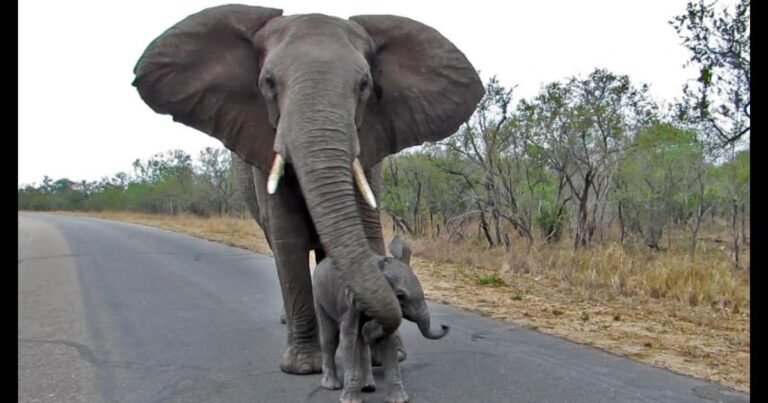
(590, 208)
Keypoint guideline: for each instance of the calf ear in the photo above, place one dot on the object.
(400, 250)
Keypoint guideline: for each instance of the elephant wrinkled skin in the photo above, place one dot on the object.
(301, 100)
(341, 323)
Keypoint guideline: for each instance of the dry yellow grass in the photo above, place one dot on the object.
(609, 271)
(690, 315)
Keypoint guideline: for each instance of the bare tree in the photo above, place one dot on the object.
(586, 125)
(217, 175)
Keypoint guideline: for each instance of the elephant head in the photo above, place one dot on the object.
(329, 96)
(409, 294)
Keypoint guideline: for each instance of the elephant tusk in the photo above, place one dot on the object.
(275, 173)
(362, 183)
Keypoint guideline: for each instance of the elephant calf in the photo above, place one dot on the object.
(340, 320)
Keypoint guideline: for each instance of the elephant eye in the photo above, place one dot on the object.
(268, 83)
(400, 295)
(364, 85)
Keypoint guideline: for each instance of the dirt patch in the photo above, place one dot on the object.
(695, 341)
(703, 341)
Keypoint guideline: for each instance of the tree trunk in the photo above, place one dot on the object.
(416, 224)
(669, 238)
(582, 237)
(484, 227)
(497, 226)
(735, 230)
(621, 224)
(743, 224)
(696, 227)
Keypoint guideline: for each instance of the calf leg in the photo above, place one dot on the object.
(402, 354)
(366, 368)
(352, 346)
(329, 342)
(392, 371)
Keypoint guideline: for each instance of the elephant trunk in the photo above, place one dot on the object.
(322, 161)
(423, 322)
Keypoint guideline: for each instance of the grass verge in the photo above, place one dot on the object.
(690, 315)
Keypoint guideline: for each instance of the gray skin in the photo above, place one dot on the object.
(400, 249)
(319, 91)
(342, 322)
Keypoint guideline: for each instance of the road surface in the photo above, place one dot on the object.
(116, 312)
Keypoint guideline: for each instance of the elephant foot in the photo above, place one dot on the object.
(350, 398)
(330, 382)
(303, 363)
(397, 397)
(370, 384)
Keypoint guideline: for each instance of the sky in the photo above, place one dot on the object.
(80, 117)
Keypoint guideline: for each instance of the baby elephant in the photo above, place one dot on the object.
(338, 315)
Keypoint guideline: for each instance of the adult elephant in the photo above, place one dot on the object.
(312, 104)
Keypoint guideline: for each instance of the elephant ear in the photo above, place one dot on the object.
(424, 87)
(400, 250)
(204, 72)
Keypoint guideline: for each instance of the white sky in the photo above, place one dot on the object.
(80, 117)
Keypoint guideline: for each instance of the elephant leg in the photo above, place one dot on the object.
(319, 255)
(290, 241)
(402, 354)
(251, 184)
(302, 355)
(352, 346)
(329, 342)
(369, 385)
(392, 371)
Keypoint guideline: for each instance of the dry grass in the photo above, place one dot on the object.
(609, 271)
(690, 315)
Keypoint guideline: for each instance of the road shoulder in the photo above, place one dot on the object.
(52, 340)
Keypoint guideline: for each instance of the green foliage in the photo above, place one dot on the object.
(418, 194)
(492, 280)
(164, 183)
(551, 220)
(658, 178)
(581, 155)
(718, 102)
(585, 152)
(730, 181)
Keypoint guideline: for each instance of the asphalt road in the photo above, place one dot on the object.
(115, 312)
